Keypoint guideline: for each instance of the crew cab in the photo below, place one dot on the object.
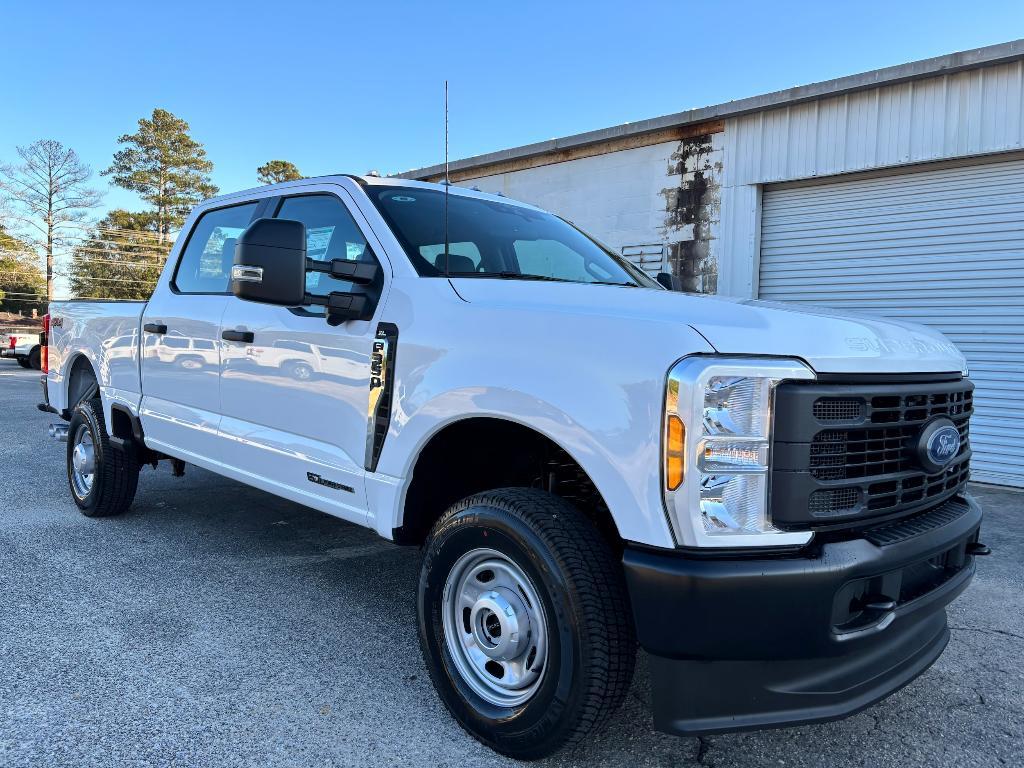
(24, 346)
(771, 501)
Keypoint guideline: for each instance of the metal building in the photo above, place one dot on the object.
(898, 192)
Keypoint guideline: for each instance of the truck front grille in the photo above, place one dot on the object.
(844, 453)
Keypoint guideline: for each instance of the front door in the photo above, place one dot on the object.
(295, 399)
(180, 408)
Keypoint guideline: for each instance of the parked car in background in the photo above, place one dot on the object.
(23, 345)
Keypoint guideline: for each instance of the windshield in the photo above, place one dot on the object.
(487, 238)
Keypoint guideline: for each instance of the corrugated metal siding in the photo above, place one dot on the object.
(943, 247)
(969, 113)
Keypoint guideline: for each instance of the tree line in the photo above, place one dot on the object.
(46, 210)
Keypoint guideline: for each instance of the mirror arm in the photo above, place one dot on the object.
(342, 307)
(358, 272)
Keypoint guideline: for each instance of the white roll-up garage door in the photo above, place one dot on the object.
(943, 246)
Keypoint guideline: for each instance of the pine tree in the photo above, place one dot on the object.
(22, 282)
(276, 171)
(121, 259)
(166, 167)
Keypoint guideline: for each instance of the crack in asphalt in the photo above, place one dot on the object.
(988, 631)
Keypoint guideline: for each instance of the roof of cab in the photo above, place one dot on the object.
(366, 181)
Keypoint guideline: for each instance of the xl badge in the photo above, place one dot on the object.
(938, 445)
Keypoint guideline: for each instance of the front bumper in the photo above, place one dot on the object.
(742, 642)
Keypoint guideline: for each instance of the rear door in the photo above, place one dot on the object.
(180, 340)
(295, 401)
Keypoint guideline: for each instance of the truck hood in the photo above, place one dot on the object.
(829, 341)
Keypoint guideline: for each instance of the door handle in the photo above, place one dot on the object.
(246, 337)
(154, 328)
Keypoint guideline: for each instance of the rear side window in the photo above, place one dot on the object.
(205, 264)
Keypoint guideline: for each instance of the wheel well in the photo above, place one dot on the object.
(484, 453)
(81, 380)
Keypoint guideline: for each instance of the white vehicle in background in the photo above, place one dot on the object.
(771, 500)
(24, 346)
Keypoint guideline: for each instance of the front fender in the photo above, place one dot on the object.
(593, 386)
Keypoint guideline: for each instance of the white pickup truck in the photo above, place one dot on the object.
(770, 500)
(24, 346)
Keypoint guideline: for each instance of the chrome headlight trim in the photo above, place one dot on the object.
(685, 398)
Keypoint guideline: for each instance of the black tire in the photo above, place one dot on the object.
(116, 475)
(35, 359)
(591, 641)
(23, 362)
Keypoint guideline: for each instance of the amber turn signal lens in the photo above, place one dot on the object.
(674, 453)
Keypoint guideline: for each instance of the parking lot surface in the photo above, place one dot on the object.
(215, 625)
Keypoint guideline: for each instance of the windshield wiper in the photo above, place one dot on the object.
(506, 275)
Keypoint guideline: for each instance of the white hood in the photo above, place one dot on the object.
(829, 341)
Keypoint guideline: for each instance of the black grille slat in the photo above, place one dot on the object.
(909, 527)
(838, 409)
(833, 501)
(872, 451)
(848, 452)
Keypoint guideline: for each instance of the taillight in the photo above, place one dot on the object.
(44, 345)
(11, 339)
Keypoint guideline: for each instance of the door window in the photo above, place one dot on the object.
(331, 233)
(205, 264)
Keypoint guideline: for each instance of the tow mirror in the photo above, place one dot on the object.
(669, 281)
(269, 265)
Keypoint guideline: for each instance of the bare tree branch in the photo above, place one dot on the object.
(48, 192)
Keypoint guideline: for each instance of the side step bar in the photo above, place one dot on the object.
(59, 432)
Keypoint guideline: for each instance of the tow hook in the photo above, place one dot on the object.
(59, 432)
(978, 549)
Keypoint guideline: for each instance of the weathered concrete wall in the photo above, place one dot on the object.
(692, 210)
(664, 194)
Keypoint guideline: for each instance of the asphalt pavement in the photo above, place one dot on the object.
(216, 625)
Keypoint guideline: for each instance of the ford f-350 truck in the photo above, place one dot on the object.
(770, 500)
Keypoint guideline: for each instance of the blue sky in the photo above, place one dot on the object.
(340, 87)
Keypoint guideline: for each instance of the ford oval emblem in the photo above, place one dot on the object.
(938, 444)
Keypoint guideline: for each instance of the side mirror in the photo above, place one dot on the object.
(269, 265)
(669, 281)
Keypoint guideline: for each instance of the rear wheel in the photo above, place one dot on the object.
(23, 362)
(34, 359)
(103, 479)
(524, 621)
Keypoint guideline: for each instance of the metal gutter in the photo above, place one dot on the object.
(940, 65)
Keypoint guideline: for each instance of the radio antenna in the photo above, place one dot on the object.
(447, 181)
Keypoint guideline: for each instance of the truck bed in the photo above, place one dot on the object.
(107, 334)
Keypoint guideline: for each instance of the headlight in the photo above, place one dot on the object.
(718, 422)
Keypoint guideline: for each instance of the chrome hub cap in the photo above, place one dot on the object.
(494, 627)
(83, 462)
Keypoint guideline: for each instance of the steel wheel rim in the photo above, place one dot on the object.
(83, 462)
(494, 627)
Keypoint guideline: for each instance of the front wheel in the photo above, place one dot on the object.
(103, 479)
(524, 621)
